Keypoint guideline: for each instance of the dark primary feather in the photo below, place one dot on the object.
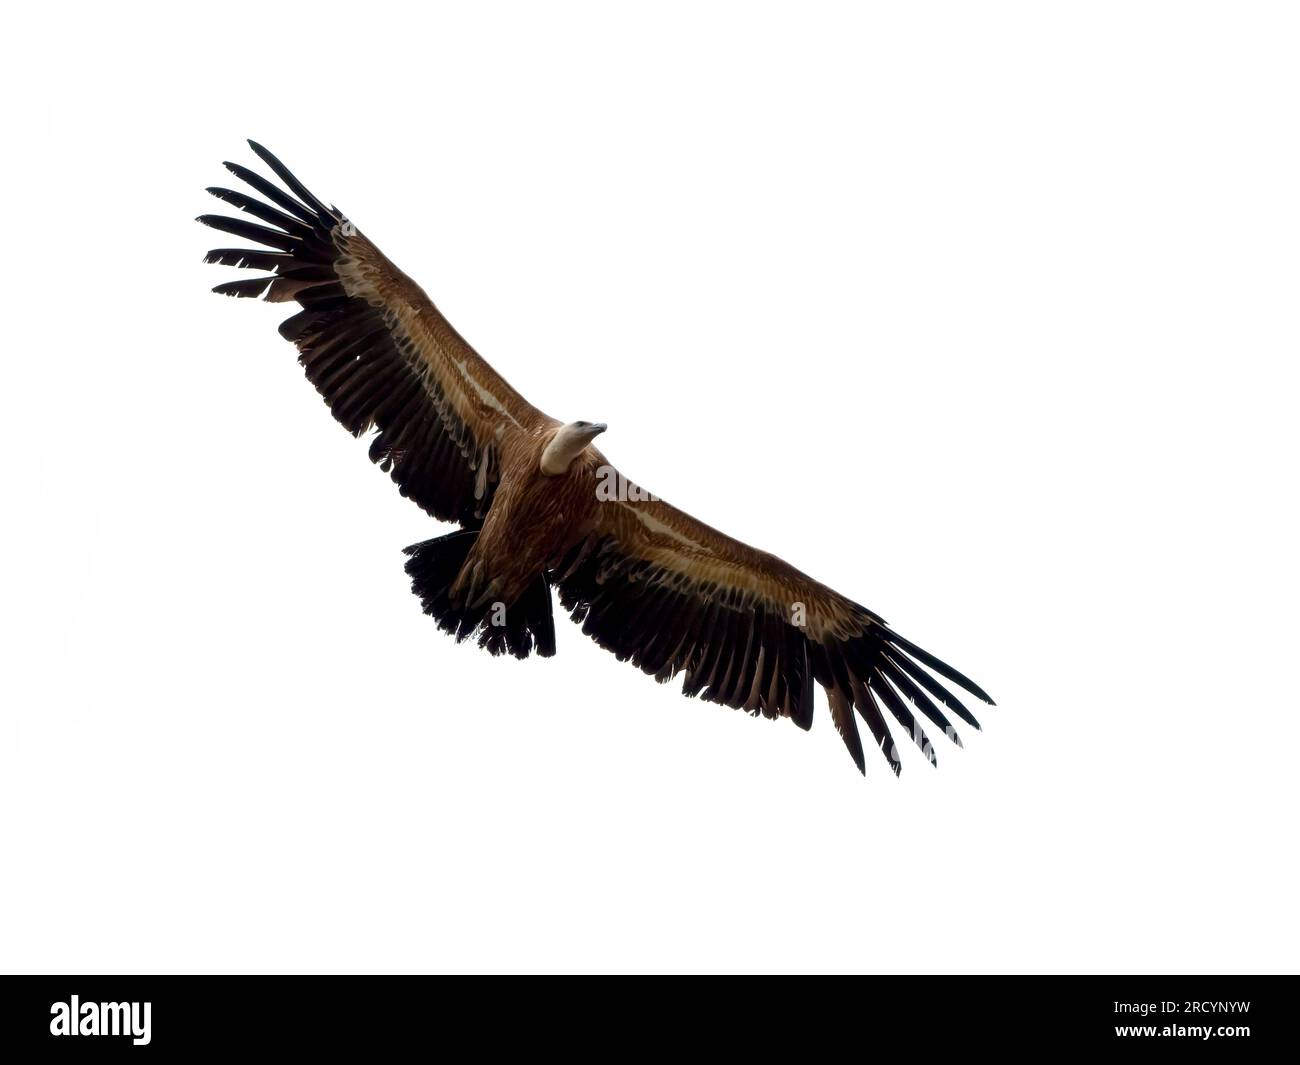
(295, 186)
(249, 258)
(942, 668)
(274, 238)
(919, 699)
(880, 687)
(260, 210)
(273, 194)
(942, 694)
(249, 286)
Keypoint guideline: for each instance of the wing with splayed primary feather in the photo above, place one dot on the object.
(747, 630)
(374, 345)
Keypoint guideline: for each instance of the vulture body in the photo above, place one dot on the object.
(542, 511)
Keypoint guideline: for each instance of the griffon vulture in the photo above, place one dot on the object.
(540, 508)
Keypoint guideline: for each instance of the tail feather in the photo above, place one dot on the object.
(521, 628)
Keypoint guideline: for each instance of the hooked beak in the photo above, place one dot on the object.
(595, 429)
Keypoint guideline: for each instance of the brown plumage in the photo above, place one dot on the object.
(541, 508)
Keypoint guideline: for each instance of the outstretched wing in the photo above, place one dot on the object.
(671, 595)
(374, 345)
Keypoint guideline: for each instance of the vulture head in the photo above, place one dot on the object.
(567, 444)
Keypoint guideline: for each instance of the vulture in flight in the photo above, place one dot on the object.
(541, 510)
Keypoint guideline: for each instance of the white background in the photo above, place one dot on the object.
(986, 315)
